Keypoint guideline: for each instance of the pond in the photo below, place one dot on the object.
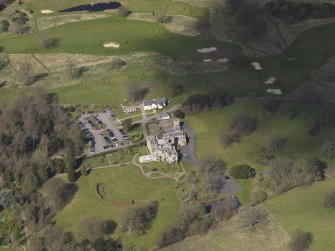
(94, 7)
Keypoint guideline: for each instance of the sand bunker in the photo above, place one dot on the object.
(206, 50)
(257, 66)
(270, 81)
(46, 11)
(112, 45)
(275, 91)
(223, 60)
(207, 60)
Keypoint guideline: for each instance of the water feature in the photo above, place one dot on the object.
(94, 7)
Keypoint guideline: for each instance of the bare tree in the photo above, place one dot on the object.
(300, 240)
(254, 216)
(92, 229)
(123, 11)
(162, 18)
(72, 72)
(328, 150)
(23, 73)
(212, 172)
(134, 92)
(243, 124)
(3, 61)
(46, 42)
(329, 200)
(277, 142)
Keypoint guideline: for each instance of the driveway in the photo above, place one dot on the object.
(188, 151)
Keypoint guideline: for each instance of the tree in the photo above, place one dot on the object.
(300, 240)
(162, 18)
(136, 219)
(58, 165)
(174, 89)
(212, 171)
(123, 11)
(171, 234)
(227, 139)
(5, 25)
(93, 229)
(23, 73)
(46, 42)
(242, 172)
(270, 105)
(318, 122)
(127, 124)
(3, 61)
(258, 197)
(290, 110)
(70, 163)
(243, 124)
(83, 170)
(277, 142)
(117, 64)
(106, 245)
(6, 197)
(328, 150)
(179, 114)
(329, 200)
(281, 169)
(254, 216)
(134, 92)
(59, 193)
(72, 72)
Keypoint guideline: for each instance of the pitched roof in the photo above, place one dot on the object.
(160, 101)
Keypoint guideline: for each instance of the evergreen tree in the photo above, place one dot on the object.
(70, 161)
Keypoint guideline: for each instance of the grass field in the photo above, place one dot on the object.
(123, 183)
(300, 145)
(302, 208)
(87, 37)
(230, 236)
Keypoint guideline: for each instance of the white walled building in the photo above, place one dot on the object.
(154, 104)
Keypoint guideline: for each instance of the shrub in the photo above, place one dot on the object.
(179, 114)
(300, 240)
(117, 64)
(329, 200)
(242, 172)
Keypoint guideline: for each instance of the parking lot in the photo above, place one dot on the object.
(102, 131)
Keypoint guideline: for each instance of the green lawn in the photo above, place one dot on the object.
(244, 194)
(302, 208)
(123, 183)
(300, 145)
